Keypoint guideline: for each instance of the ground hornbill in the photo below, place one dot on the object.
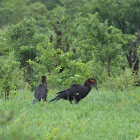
(76, 92)
(41, 90)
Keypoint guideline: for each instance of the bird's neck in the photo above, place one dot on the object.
(43, 79)
(87, 85)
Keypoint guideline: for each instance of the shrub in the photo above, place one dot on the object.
(10, 74)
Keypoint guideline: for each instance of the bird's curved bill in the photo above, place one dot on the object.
(95, 85)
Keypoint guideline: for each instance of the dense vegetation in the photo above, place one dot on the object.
(69, 41)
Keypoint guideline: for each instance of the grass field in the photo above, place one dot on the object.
(102, 115)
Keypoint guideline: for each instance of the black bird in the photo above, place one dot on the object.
(76, 92)
(41, 90)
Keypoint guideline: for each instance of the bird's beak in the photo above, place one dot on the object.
(95, 86)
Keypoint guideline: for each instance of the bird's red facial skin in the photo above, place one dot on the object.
(91, 80)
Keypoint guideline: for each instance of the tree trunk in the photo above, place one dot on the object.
(109, 65)
(58, 35)
(58, 39)
(51, 38)
(67, 44)
(7, 92)
(132, 55)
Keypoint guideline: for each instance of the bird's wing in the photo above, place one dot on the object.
(42, 86)
(75, 85)
(78, 90)
(75, 89)
(67, 90)
(45, 87)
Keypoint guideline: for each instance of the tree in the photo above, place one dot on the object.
(12, 11)
(72, 6)
(50, 4)
(36, 10)
(99, 42)
(23, 38)
(123, 15)
(60, 23)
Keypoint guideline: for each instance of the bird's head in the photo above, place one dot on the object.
(92, 82)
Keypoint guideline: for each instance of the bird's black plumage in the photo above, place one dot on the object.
(41, 90)
(76, 92)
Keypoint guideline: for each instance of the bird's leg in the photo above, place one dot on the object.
(74, 97)
(69, 98)
(44, 99)
(76, 102)
(70, 101)
(77, 99)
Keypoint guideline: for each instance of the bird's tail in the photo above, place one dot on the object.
(55, 99)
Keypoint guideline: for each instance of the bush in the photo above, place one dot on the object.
(124, 81)
(10, 74)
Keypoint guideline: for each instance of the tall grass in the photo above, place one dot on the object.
(102, 115)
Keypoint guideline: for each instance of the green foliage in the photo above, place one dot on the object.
(4, 46)
(121, 14)
(22, 32)
(5, 16)
(60, 24)
(69, 41)
(22, 38)
(37, 9)
(12, 11)
(124, 81)
(100, 43)
(72, 6)
(10, 74)
(50, 4)
(73, 70)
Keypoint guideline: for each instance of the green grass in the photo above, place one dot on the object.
(102, 115)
